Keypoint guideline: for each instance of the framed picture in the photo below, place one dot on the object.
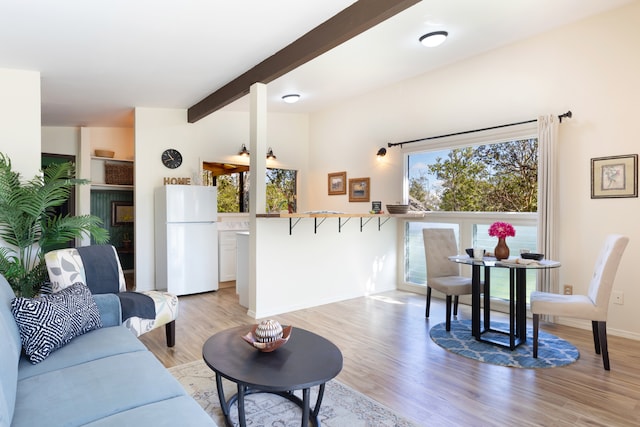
(359, 190)
(337, 183)
(615, 176)
(121, 213)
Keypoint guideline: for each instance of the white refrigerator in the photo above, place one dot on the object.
(186, 239)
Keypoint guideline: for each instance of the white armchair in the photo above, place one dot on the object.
(65, 267)
(593, 306)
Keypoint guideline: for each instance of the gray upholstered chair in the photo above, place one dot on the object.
(442, 274)
(593, 306)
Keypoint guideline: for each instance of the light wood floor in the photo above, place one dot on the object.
(389, 356)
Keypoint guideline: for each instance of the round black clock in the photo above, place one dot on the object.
(171, 158)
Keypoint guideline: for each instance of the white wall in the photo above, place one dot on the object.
(591, 68)
(120, 140)
(307, 268)
(20, 120)
(60, 140)
(217, 138)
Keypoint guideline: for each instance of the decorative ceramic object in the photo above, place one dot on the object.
(398, 209)
(501, 230)
(267, 346)
(502, 250)
(268, 330)
(533, 256)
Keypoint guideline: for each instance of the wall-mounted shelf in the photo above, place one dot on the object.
(111, 159)
(111, 187)
(343, 218)
(98, 174)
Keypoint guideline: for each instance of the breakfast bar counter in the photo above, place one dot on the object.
(320, 216)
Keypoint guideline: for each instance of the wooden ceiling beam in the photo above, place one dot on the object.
(355, 19)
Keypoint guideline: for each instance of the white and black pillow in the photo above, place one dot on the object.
(49, 322)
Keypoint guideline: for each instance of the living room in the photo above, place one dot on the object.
(589, 67)
(596, 84)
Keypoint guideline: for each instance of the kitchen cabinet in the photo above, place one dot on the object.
(227, 255)
(242, 268)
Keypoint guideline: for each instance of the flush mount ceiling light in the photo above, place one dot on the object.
(434, 39)
(243, 151)
(270, 154)
(291, 98)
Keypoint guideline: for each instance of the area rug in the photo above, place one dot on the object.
(552, 351)
(341, 406)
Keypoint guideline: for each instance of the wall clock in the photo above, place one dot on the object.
(171, 158)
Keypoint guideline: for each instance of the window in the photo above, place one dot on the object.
(500, 177)
(232, 182)
(469, 188)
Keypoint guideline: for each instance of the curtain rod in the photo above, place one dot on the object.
(568, 115)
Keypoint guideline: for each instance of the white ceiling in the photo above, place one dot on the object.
(98, 59)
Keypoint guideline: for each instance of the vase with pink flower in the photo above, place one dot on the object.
(501, 230)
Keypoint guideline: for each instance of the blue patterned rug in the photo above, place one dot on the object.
(552, 351)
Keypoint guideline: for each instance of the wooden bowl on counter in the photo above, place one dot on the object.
(397, 209)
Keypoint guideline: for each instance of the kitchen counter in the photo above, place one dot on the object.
(320, 216)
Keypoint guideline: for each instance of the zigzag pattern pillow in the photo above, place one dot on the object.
(49, 322)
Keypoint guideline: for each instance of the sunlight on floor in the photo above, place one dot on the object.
(386, 299)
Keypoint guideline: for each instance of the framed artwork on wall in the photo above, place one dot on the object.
(121, 213)
(359, 190)
(337, 183)
(614, 176)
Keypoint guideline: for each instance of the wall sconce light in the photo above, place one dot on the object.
(291, 98)
(243, 151)
(434, 39)
(381, 153)
(270, 154)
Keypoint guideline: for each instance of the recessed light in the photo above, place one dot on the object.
(291, 98)
(434, 39)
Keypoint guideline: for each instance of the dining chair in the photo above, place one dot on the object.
(442, 274)
(66, 267)
(593, 306)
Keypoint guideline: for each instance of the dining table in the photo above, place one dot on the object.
(481, 329)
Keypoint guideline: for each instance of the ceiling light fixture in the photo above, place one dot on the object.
(291, 98)
(243, 151)
(270, 154)
(434, 39)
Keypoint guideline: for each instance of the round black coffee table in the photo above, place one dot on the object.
(305, 361)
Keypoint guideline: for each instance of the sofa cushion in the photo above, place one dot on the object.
(98, 344)
(180, 411)
(9, 353)
(84, 393)
(109, 306)
(49, 322)
(8, 374)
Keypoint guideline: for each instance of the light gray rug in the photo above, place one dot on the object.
(342, 406)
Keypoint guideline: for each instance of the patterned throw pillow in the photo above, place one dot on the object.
(49, 322)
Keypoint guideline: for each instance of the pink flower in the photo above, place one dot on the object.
(502, 230)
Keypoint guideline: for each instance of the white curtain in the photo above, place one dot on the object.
(547, 199)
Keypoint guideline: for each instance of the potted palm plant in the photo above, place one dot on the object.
(29, 225)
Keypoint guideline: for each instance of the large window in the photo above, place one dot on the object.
(470, 187)
(500, 177)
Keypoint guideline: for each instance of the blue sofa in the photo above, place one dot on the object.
(105, 377)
